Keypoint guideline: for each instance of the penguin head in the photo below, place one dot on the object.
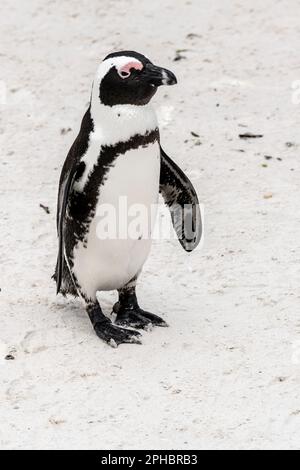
(130, 78)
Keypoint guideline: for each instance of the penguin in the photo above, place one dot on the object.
(117, 154)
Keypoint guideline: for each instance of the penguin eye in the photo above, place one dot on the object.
(128, 69)
(124, 74)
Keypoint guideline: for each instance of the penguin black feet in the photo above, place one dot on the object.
(130, 314)
(137, 318)
(105, 330)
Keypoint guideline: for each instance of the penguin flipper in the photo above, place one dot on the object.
(64, 192)
(180, 196)
(71, 170)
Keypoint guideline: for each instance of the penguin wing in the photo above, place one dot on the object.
(72, 169)
(65, 190)
(180, 196)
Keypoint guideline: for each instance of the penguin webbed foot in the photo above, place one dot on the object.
(114, 335)
(135, 317)
(111, 334)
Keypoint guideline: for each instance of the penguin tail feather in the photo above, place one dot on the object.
(67, 285)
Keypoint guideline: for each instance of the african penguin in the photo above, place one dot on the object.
(116, 155)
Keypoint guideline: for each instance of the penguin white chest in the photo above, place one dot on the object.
(119, 237)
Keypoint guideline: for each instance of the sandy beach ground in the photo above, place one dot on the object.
(226, 374)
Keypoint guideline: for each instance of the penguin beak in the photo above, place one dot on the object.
(157, 76)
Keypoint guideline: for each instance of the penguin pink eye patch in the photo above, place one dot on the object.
(125, 71)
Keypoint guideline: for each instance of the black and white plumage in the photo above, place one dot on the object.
(117, 153)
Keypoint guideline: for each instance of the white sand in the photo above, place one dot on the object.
(226, 374)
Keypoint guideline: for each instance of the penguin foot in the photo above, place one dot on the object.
(113, 335)
(136, 318)
(105, 330)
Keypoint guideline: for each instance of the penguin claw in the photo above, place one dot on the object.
(113, 335)
(112, 343)
(155, 320)
(138, 318)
